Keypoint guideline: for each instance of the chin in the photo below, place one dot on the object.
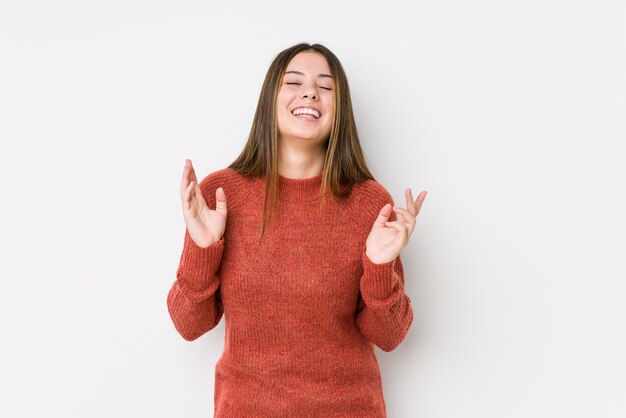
(305, 137)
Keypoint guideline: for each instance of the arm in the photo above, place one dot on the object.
(194, 301)
(384, 312)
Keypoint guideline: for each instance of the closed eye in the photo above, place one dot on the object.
(293, 83)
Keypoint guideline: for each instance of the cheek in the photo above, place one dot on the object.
(331, 110)
(283, 98)
(281, 118)
(282, 105)
(330, 103)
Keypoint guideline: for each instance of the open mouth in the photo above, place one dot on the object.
(306, 113)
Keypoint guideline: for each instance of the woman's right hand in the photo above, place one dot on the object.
(205, 226)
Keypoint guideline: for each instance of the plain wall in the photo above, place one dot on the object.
(510, 114)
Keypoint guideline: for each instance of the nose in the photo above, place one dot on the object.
(309, 93)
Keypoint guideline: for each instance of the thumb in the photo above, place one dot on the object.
(383, 215)
(220, 200)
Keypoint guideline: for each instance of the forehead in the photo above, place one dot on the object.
(309, 62)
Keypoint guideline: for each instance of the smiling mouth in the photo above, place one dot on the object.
(306, 113)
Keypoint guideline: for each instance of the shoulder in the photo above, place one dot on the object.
(229, 180)
(367, 199)
(223, 177)
(213, 180)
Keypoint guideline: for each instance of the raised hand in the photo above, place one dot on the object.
(206, 226)
(387, 239)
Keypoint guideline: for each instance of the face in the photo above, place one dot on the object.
(305, 106)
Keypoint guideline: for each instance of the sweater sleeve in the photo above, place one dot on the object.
(384, 312)
(194, 301)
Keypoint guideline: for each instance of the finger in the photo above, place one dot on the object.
(192, 172)
(187, 196)
(406, 215)
(408, 194)
(420, 198)
(400, 227)
(383, 215)
(220, 200)
(197, 192)
(414, 206)
(184, 181)
(418, 202)
(408, 219)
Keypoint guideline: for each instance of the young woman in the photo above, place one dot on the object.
(298, 247)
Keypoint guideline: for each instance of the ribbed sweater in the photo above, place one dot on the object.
(303, 310)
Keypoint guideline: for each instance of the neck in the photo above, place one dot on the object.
(300, 162)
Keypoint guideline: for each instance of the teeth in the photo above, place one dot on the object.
(306, 111)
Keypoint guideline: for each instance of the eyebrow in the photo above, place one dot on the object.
(299, 73)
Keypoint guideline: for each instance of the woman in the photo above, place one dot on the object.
(311, 281)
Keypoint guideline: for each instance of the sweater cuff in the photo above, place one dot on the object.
(379, 281)
(198, 266)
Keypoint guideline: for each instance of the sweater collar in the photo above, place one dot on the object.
(300, 189)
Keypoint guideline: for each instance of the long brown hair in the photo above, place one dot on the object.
(344, 163)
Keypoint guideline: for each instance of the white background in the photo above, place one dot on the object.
(510, 114)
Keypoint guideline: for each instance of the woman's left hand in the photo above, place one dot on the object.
(387, 239)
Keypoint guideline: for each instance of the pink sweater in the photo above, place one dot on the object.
(301, 312)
